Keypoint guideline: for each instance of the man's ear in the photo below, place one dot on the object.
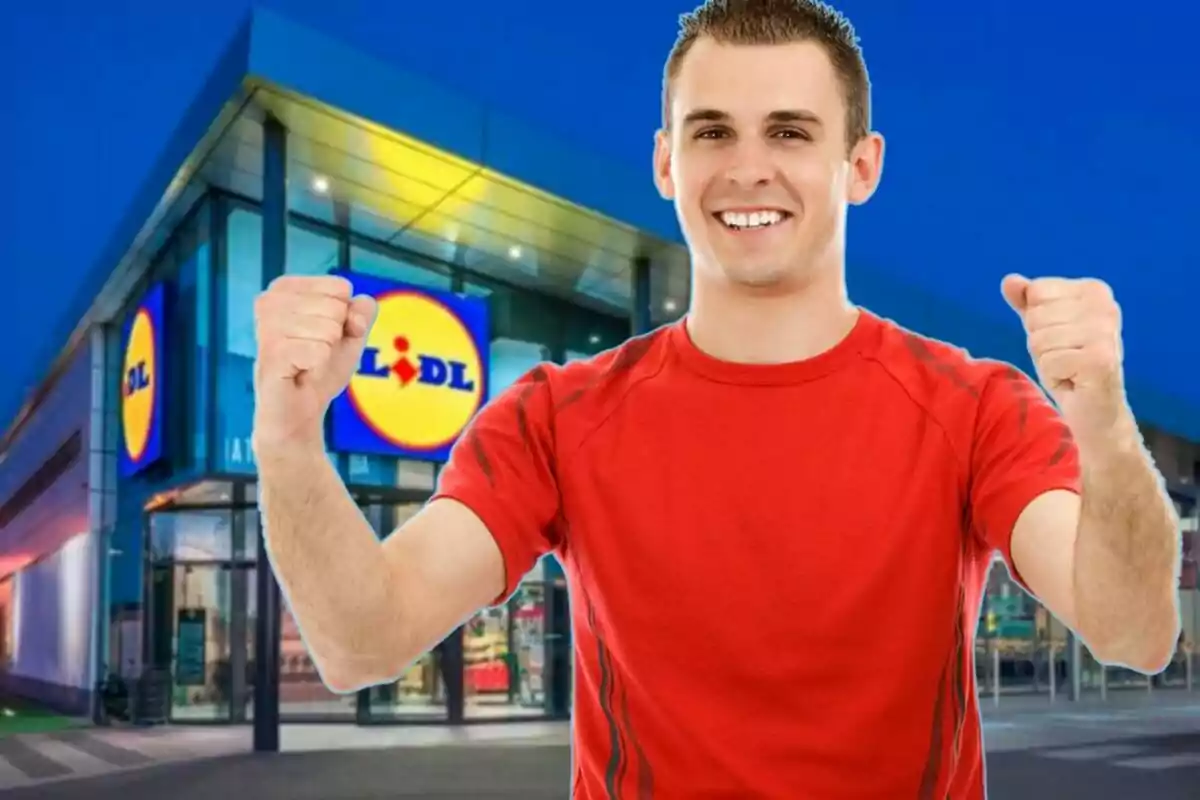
(866, 169)
(662, 165)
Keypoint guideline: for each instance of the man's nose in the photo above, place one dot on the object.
(750, 164)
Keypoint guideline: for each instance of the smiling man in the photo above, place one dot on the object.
(777, 514)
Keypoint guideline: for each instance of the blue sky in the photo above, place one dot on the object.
(1049, 141)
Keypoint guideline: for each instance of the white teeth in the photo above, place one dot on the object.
(755, 219)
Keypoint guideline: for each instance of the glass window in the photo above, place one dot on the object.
(189, 412)
(301, 690)
(504, 657)
(372, 262)
(309, 252)
(190, 619)
(520, 314)
(243, 280)
(589, 332)
(420, 691)
(190, 340)
(510, 359)
(1019, 648)
(670, 289)
(202, 372)
(240, 284)
(525, 330)
(199, 535)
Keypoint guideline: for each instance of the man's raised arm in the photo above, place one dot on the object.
(365, 608)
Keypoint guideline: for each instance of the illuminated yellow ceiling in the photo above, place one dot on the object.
(411, 188)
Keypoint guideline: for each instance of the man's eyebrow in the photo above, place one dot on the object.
(795, 115)
(782, 115)
(705, 115)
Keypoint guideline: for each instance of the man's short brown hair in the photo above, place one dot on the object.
(759, 22)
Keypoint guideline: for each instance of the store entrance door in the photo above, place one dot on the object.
(197, 635)
(197, 580)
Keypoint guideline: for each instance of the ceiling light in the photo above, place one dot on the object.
(320, 184)
(514, 252)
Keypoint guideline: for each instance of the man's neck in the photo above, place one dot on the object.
(749, 327)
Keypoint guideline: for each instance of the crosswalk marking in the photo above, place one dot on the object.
(20, 753)
(76, 760)
(1161, 762)
(103, 750)
(1095, 752)
(133, 741)
(1144, 756)
(11, 777)
(30, 759)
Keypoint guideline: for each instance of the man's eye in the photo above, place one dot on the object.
(712, 133)
(792, 133)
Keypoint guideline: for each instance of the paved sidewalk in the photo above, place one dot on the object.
(1156, 768)
(34, 759)
(1019, 726)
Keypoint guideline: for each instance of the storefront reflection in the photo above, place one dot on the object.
(420, 690)
(1020, 648)
(194, 638)
(302, 693)
(504, 657)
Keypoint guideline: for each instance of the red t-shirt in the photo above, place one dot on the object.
(775, 570)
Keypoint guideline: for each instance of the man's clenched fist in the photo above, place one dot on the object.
(310, 333)
(1074, 336)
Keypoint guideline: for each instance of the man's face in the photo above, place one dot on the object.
(757, 164)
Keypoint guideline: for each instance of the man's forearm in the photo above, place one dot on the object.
(1126, 555)
(329, 562)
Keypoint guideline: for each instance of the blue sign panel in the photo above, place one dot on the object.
(142, 384)
(422, 376)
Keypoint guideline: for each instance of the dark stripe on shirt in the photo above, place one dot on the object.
(933, 762)
(617, 749)
(619, 729)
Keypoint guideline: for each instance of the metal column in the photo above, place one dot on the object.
(101, 512)
(269, 623)
(239, 604)
(1076, 662)
(640, 313)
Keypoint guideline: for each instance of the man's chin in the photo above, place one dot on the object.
(757, 276)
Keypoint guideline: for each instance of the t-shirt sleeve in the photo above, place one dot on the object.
(502, 468)
(1022, 448)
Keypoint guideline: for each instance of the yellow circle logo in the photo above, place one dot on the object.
(139, 385)
(420, 379)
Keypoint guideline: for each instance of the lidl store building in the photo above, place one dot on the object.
(129, 535)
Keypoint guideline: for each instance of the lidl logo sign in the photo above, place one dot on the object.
(422, 376)
(142, 384)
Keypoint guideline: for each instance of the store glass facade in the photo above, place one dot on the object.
(1020, 649)
(186, 534)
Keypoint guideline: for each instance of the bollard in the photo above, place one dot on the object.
(1053, 672)
(996, 676)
